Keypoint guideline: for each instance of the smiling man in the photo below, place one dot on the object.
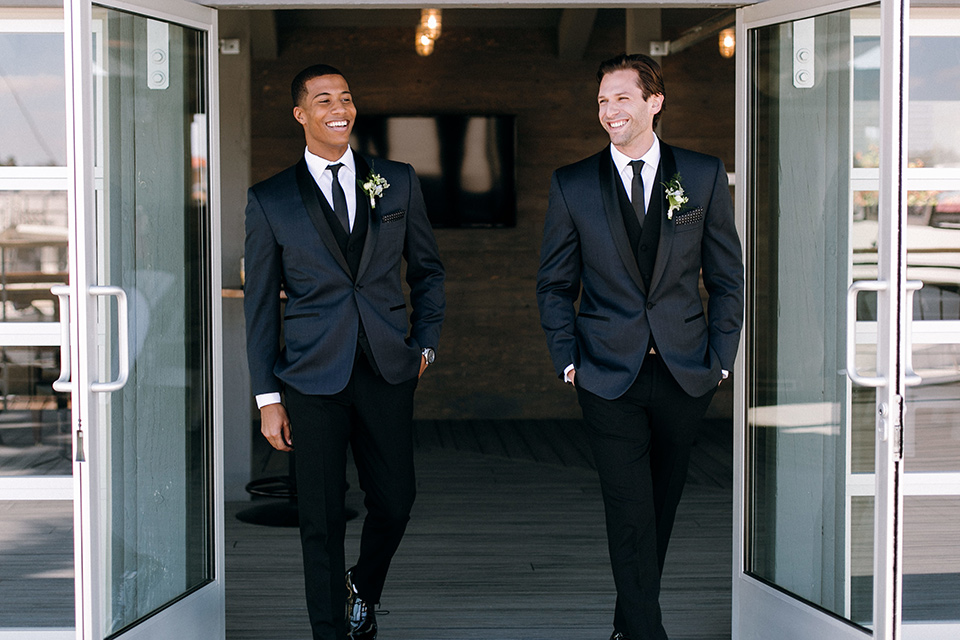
(629, 231)
(331, 232)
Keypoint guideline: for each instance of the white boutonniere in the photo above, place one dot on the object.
(374, 185)
(675, 196)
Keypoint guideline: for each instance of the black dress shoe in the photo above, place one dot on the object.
(361, 619)
(618, 636)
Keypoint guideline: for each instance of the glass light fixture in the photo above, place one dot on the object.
(728, 43)
(424, 43)
(431, 22)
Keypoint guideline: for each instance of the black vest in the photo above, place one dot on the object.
(645, 241)
(351, 246)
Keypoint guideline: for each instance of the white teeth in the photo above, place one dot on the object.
(338, 123)
(617, 125)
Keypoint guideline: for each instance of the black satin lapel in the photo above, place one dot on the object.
(308, 194)
(608, 189)
(665, 173)
(363, 209)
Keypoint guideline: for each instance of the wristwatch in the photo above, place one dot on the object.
(429, 355)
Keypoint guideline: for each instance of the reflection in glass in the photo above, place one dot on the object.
(36, 564)
(934, 107)
(931, 559)
(35, 437)
(152, 227)
(33, 254)
(32, 100)
(800, 411)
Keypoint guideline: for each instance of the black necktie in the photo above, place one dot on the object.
(636, 190)
(339, 198)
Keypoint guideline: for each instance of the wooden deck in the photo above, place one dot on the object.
(507, 542)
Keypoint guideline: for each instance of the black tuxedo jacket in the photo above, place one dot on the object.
(586, 253)
(291, 242)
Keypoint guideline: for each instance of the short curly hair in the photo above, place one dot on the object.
(298, 88)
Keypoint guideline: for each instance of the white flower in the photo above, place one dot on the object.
(675, 196)
(374, 186)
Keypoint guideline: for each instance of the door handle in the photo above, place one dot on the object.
(63, 383)
(910, 377)
(123, 340)
(852, 292)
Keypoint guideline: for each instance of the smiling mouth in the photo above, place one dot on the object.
(338, 124)
(617, 124)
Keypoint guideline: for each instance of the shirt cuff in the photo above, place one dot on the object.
(270, 398)
(726, 374)
(566, 374)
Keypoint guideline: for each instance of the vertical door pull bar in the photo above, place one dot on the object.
(63, 383)
(910, 377)
(123, 340)
(856, 288)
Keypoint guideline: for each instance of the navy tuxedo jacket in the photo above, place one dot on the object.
(586, 253)
(290, 242)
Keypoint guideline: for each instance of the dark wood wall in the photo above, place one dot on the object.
(492, 361)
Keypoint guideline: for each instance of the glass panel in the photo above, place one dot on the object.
(934, 112)
(36, 562)
(861, 558)
(33, 254)
(802, 239)
(32, 98)
(934, 109)
(931, 561)
(153, 225)
(35, 436)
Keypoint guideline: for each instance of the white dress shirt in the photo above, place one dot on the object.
(324, 179)
(651, 160)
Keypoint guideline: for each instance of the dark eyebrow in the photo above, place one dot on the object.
(327, 93)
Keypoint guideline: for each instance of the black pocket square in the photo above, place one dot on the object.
(393, 217)
(689, 217)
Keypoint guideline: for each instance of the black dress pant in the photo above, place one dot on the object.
(376, 419)
(641, 445)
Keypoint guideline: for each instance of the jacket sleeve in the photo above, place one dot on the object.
(261, 299)
(723, 277)
(425, 273)
(558, 279)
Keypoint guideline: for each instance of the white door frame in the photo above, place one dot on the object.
(199, 614)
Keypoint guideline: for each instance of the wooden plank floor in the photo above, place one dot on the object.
(507, 542)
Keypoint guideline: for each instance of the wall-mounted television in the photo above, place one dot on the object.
(465, 163)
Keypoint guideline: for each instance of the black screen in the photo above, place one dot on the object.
(465, 163)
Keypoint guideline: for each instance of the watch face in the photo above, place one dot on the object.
(429, 355)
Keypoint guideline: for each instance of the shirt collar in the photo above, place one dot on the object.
(318, 165)
(650, 159)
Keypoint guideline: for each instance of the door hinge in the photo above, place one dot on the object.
(897, 425)
(79, 454)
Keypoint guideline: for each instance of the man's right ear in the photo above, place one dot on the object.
(298, 115)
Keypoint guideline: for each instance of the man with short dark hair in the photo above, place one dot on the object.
(628, 231)
(332, 231)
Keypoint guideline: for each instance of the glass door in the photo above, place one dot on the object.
(931, 443)
(144, 320)
(819, 535)
(36, 453)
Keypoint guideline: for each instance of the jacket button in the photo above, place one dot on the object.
(649, 305)
(643, 247)
(358, 287)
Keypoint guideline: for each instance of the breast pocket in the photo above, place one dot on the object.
(685, 221)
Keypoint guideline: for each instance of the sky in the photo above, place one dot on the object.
(32, 112)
